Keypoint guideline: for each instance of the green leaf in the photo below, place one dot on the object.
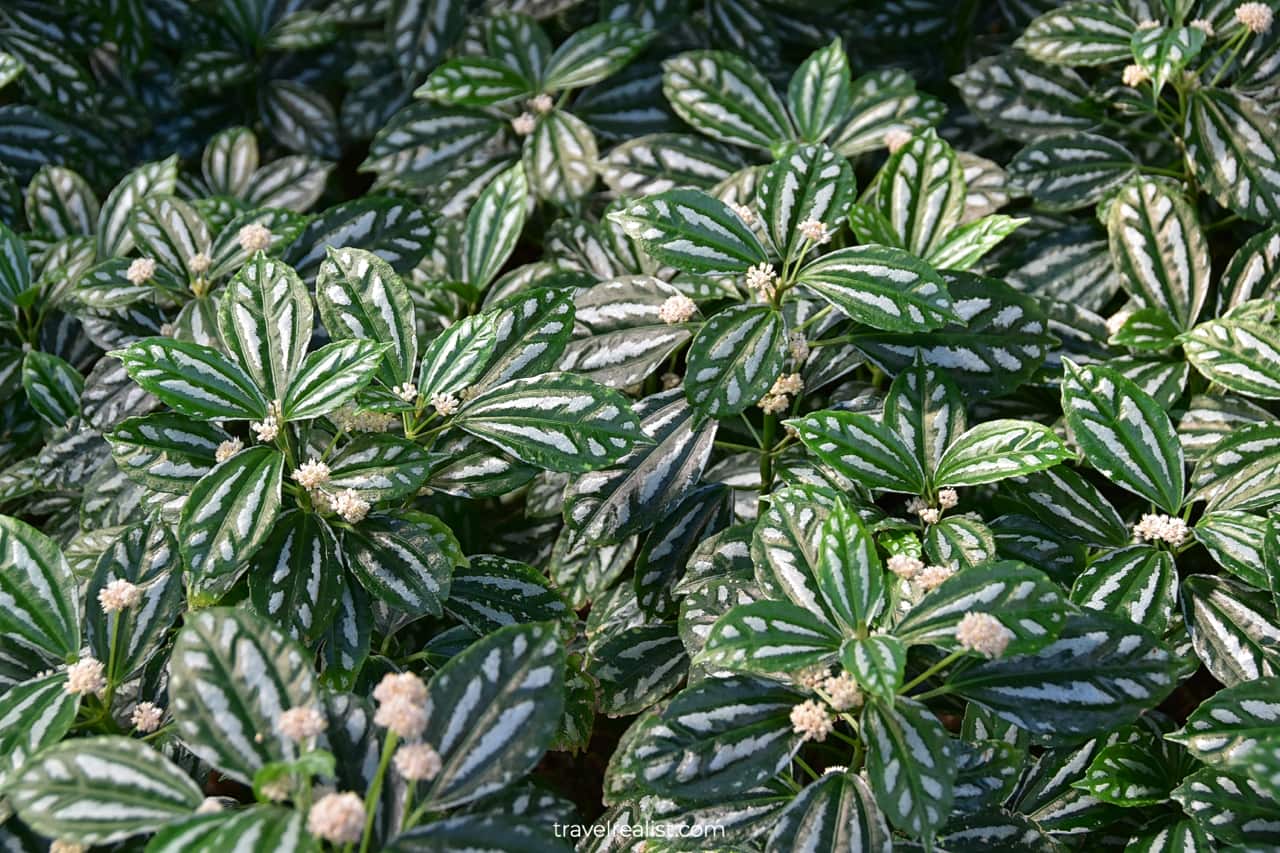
(1233, 628)
(1238, 354)
(300, 118)
(836, 813)
(1101, 672)
(230, 160)
(1253, 271)
(862, 449)
(332, 376)
(494, 592)
(360, 296)
(53, 387)
(193, 380)
(494, 224)
(166, 451)
(725, 97)
(848, 573)
(1079, 34)
(820, 92)
(966, 245)
(734, 359)
(1125, 434)
(960, 542)
(1175, 836)
(882, 287)
(1232, 724)
(1069, 503)
(231, 675)
(1128, 774)
(172, 232)
(1138, 583)
(561, 157)
(41, 609)
(492, 711)
(101, 790)
(420, 33)
(692, 231)
(882, 101)
(532, 327)
(35, 713)
(398, 559)
(911, 764)
(637, 668)
(15, 269)
(60, 203)
(149, 180)
(921, 192)
(769, 637)
(380, 467)
(230, 512)
(1073, 170)
(272, 827)
(265, 319)
(399, 232)
(657, 162)
(1166, 51)
(1236, 472)
(1026, 602)
(475, 81)
(1231, 141)
(1234, 540)
(926, 409)
(877, 663)
(296, 576)
(557, 421)
(805, 183)
(1231, 807)
(1159, 249)
(1026, 99)
(593, 53)
(997, 450)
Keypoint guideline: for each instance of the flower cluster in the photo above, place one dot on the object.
(401, 704)
(778, 399)
(348, 419)
(677, 308)
(337, 818)
(254, 237)
(762, 279)
(269, 427)
(301, 724)
(1256, 17)
(983, 633)
(86, 677)
(1153, 527)
(227, 449)
(119, 595)
(812, 721)
(140, 271)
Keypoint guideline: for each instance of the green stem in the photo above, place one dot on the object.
(375, 789)
(806, 768)
(766, 458)
(934, 670)
(741, 448)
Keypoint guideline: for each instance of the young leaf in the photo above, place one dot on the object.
(807, 183)
(769, 637)
(493, 226)
(475, 81)
(921, 192)
(1138, 583)
(877, 663)
(819, 92)
(53, 387)
(862, 449)
(360, 296)
(692, 231)
(997, 450)
(265, 320)
(330, 377)
(561, 157)
(882, 287)
(230, 512)
(41, 609)
(735, 359)
(836, 813)
(146, 181)
(1237, 354)
(848, 574)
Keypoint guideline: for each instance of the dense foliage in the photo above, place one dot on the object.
(639, 425)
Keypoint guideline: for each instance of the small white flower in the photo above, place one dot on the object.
(265, 430)
(788, 383)
(798, 346)
(166, 331)
(311, 474)
(677, 308)
(119, 595)
(350, 506)
(812, 676)
(843, 692)
(774, 404)
(227, 449)
(301, 724)
(932, 577)
(983, 633)
(1205, 26)
(211, 805)
(347, 419)
(403, 716)
(400, 685)
(1148, 24)
(896, 138)
(146, 717)
(905, 566)
(541, 104)
(746, 214)
(1134, 75)
(337, 818)
(445, 405)
(763, 279)
(670, 380)
(254, 237)
(931, 515)
(1256, 17)
(199, 263)
(1164, 528)
(814, 231)
(141, 271)
(85, 676)
(524, 124)
(811, 721)
(948, 498)
(417, 761)
(407, 392)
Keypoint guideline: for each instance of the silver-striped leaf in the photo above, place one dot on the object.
(561, 157)
(882, 287)
(1231, 807)
(804, 183)
(668, 548)
(1073, 170)
(1232, 142)
(494, 592)
(1238, 471)
(1079, 34)
(692, 231)
(380, 467)
(399, 559)
(398, 231)
(877, 663)
(493, 226)
(1124, 433)
(475, 81)
(360, 296)
(1234, 540)
(960, 542)
(820, 91)
(881, 101)
(265, 320)
(910, 763)
(966, 245)
(166, 451)
(101, 790)
(926, 410)
(193, 380)
(295, 579)
(229, 160)
(638, 667)
(734, 359)
(456, 356)
(1253, 271)
(33, 714)
(848, 573)
(1239, 354)
(1026, 99)
(1234, 628)
(726, 97)
(655, 163)
(148, 180)
(593, 53)
(172, 232)
(921, 192)
(420, 33)
(1138, 583)
(493, 710)
(836, 814)
(332, 376)
(53, 387)
(1175, 836)
(1229, 726)
(230, 512)
(999, 449)
(60, 203)
(769, 637)
(533, 328)
(785, 547)
(41, 604)
(258, 827)
(863, 449)
(1063, 499)
(231, 675)
(1165, 51)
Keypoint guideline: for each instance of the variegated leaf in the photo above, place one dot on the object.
(806, 183)
(400, 560)
(264, 827)
(399, 232)
(1233, 723)
(925, 408)
(1253, 271)
(265, 320)
(1238, 471)
(33, 714)
(1129, 774)
(1125, 434)
(230, 158)
(638, 667)
(1233, 628)
(968, 244)
(475, 81)
(877, 663)
(725, 97)
(921, 192)
(1234, 540)
(735, 359)
(231, 675)
(146, 181)
(653, 164)
(380, 467)
(1068, 502)
(593, 53)
(692, 231)
(172, 232)
(836, 814)
(1138, 583)
(494, 592)
(625, 337)
(165, 451)
(911, 764)
(296, 576)
(848, 573)
(1232, 808)
(959, 542)
(457, 355)
(881, 101)
(331, 376)
(194, 380)
(493, 226)
(41, 610)
(1179, 836)
(785, 547)
(862, 449)
(1073, 170)
(230, 512)
(53, 387)
(997, 450)
(532, 327)
(1238, 354)
(1166, 51)
(819, 92)
(882, 287)
(1232, 142)
(769, 637)
(61, 203)
(1078, 34)
(561, 157)
(1024, 98)
(360, 296)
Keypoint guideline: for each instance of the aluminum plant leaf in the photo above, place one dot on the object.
(910, 763)
(820, 91)
(1253, 271)
(735, 359)
(638, 667)
(877, 663)
(102, 790)
(1231, 807)
(863, 449)
(785, 547)
(475, 81)
(1067, 502)
(999, 449)
(706, 509)
(1079, 34)
(692, 231)
(397, 231)
(1176, 836)
(60, 203)
(1073, 170)
(332, 376)
(1125, 434)
(231, 675)
(838, 813)
(561, 157)
(265, 320)
(1118, 667)
(1226, 729)
(805, 183)
(1165, 51)
(725, 97)
(926, 409)
(172, 232)
(420, 32)
(34, 713)
(1026, 99)
(963, 247)
(1234, 540)
(380, 467)
(1130, 774)
(295, 579)
(1233, 628)
(532, 329)
(848, 573)
(1138, 583)
(53, 387)
(921, 192)
(166, 451)
(882, 287)
(1029, 605)
(1231, 141)
(230, 512)
(494, 592)
(399, 560)
(493, 710)
(652, 164)
(270, 827)
(593, 53)
(360, 296)
(294, 183)
(193, 380)
(41, 611)
(457, 355)
(493, 226)
(420, 143)
(880, 101)
(1160, 249)
(769, 637)
(1238, 354)
(229, 161)
(146, 181)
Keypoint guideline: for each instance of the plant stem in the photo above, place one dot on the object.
(375, 789)
(933, 670)
(766, 458)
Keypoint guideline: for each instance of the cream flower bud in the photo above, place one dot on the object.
(417, 762)
(445, 404)
(403, 716)
(905, 566)
(63, 845)
(932, 577)
(211, 805)
(227, 449)
(337, 818)
(141, 271)
(119, 595)
(254, 237)
(1134, 75)
(311, 474)
(1148, 24)
(811, 721)
(843, 691)
(895, 139)
(1256, 17)
(350, 506)
(541, 103)
(266, 430)
(146, 717)
(812, 676)
(798, 347)
(1165, 528)
(774, 404)
(746, 214)
(948, 498)
(199, 263)
(524, 124)
(763, 279)
(814, 231)
(400, 685)
(983, 633)
(1205, 26)
(86, 676)
(300, 724)
(788, 383)
(677, 308)
(931, 515)
(407, 392)
(670, 380)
